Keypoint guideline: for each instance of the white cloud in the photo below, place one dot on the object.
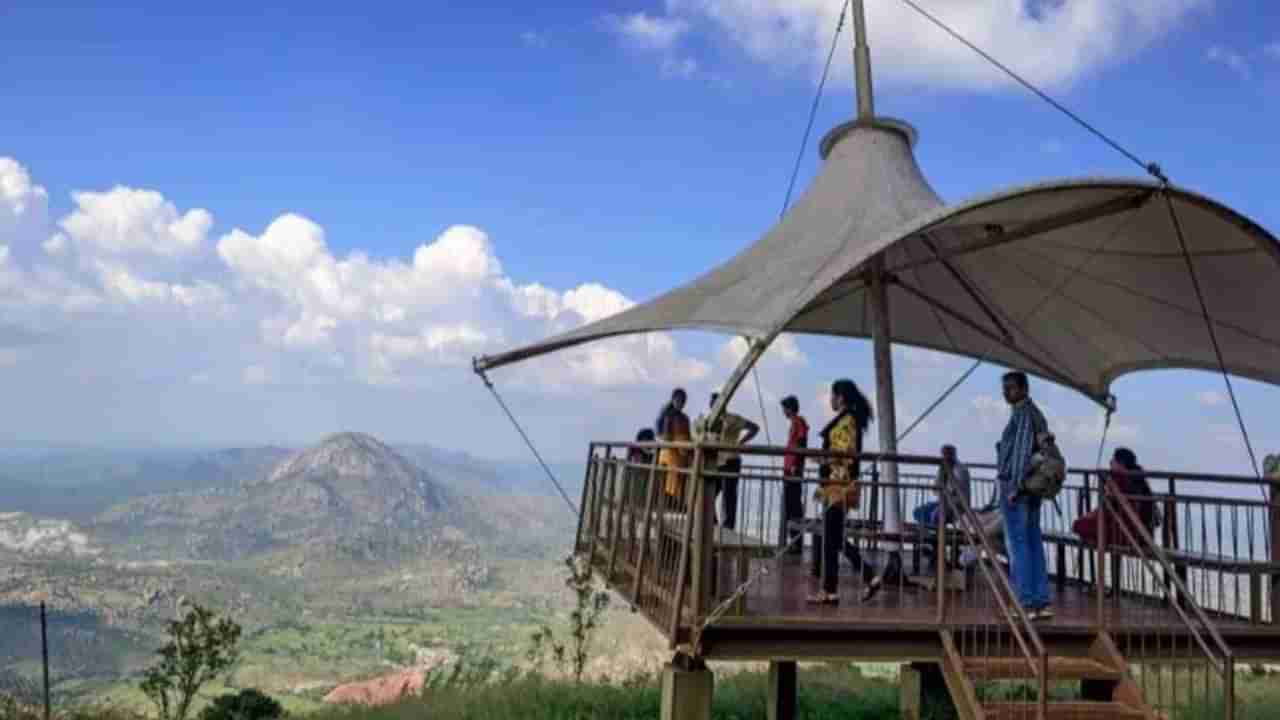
(783, 351)
(24, 205)
(682, 67)
(256, 375)
(533, 39)
(130, 256)
(648, 31)
(1211, 398)
(56, 245)
(127, 220)
(1052, 147)
(1049, 42)
(1229, 58)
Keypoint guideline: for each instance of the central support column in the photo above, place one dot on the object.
(886, 418)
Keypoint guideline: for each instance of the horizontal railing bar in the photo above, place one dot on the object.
(774, 450)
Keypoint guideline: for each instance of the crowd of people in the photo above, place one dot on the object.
(839, 488)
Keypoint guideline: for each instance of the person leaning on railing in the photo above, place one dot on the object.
(838, 488)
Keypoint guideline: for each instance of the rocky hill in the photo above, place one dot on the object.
(351, 480)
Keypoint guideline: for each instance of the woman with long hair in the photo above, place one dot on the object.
(1127, 478)
(838, 490)
(673, 426)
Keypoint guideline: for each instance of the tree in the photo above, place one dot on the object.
(201, 647)
(590, 602)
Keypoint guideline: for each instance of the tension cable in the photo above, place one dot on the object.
(520, 429)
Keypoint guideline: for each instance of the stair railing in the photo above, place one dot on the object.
(1012, 637)
(1178, 670)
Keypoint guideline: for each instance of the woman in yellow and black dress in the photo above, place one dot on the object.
(838, 491)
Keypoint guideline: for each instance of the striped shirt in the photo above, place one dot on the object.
(1018, 444)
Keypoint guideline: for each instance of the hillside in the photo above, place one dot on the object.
(347, 531)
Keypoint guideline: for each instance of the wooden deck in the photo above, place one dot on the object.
(903, 614)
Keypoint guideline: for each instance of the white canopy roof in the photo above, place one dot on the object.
(1077, 281)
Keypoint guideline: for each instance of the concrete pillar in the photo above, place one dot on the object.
(687, 686)
(782, 690)
(924, 692)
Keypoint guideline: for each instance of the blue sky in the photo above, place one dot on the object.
(622, 146)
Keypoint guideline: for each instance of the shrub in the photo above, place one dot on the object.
(248, 704)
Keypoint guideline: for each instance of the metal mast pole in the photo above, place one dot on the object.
(878, 297)
(862, 62)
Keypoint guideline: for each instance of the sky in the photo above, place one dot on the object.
(230, 225)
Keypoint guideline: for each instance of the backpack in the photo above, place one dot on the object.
(1048, 471)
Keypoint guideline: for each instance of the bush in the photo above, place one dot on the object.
(248, 704)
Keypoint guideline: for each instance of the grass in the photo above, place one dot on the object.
(825, 694)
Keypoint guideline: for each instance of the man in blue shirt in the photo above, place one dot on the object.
(1023, 540)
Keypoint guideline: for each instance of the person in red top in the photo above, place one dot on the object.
(793, 472)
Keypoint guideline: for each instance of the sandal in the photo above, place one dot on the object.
(822, 598)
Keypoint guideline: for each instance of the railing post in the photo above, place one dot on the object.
(651, 500)
(582, 504)
(688, 548)
(1085, 506)
(874, 511)
(1275, 556)
(1100, 573)
(940, 556)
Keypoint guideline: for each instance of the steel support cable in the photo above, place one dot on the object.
(955, 385)
(1151, 168)
(1213, 338)
(813, 109)
(520, 429)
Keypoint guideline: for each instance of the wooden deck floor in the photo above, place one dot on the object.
(778, 596)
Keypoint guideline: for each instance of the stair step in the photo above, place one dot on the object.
(1060, 668)
(1075, 710)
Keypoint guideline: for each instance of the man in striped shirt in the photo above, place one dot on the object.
(1023, 540)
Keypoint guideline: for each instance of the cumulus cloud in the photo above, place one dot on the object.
(282, 295)
(1210, 398)
(533, 39)
(1229, 59)
(655, 32)
(128, 220)
(783, 351)
(24, 205)
(1049, 42)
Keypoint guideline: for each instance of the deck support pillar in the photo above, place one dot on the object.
(687, 687)
(923, 692)
(782, 690)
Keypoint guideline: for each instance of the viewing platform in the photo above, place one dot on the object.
(1177, 609)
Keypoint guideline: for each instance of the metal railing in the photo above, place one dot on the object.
(655, 524)
(992, 638)
(1182, 669)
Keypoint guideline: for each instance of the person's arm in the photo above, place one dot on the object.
(1024, 441)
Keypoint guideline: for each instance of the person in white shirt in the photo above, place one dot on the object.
(733, 430)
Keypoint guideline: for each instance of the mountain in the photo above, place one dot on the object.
(351, 480)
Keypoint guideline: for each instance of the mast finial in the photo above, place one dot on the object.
(862, 62)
